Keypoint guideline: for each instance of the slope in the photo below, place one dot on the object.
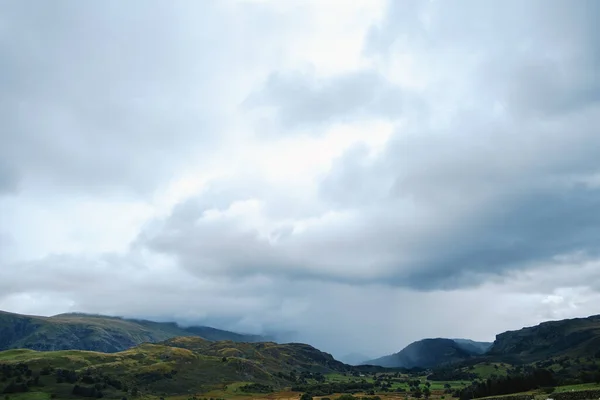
(95, 332)
(177, 366)
(571, 337)
(425, 353)
(473, 346)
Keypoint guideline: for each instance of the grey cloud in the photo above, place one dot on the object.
(303, 100)
(538, 57)
(434, 211)
(441, 207)
(487, 211)
(457, 210)
(104, 95)
(9, 179)
(142, 288)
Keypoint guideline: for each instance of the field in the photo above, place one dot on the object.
(487, 370)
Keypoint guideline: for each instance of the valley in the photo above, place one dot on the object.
(554, 357)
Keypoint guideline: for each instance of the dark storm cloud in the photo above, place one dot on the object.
(457, 210)
(302, 99)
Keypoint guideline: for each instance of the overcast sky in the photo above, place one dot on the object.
(360, 173)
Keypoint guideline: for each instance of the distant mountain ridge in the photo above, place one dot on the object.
(77, 331)
(576, 337)
(354, 359)
(428, 353)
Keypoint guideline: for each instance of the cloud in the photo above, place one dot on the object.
(303, 100)
(8, 179)
(336, 317)
(152, 165)
(106, 97)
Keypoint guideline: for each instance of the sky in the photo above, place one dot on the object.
(354, 175)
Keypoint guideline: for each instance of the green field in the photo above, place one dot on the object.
(487, 370)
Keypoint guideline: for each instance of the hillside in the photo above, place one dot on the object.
(571, 337)
(96, 332)
(425, 353)
(272, 356)
(474, 347)
(176, 366)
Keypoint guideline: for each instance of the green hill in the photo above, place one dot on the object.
(96, 332)
(176, 366)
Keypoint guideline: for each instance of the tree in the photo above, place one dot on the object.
(427, 392)
(306, 396)
(417, 393)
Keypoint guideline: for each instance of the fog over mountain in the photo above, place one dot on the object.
(354, 175)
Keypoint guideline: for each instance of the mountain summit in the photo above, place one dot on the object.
(428, 353)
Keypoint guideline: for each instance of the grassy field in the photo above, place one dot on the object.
(485, 371)
(29, 396)
(583, 386)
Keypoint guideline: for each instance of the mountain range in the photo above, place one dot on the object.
(578, 337)
(75, 331)
(78, 331)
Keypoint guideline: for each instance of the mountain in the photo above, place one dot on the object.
(97, 332)
(179, 365)
(425, 353)
(474, 347)
(576, 337)
(354, 359)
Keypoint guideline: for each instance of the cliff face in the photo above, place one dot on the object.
(572, 337)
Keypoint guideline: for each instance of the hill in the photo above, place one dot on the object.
(474, 347)
(97, 332)
(576, 337)
(425, 353)
(176, 366)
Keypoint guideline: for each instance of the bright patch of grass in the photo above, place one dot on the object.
(583, 386)
(29, 396)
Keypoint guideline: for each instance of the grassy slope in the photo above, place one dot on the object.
(572, 338)
(199, 364)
